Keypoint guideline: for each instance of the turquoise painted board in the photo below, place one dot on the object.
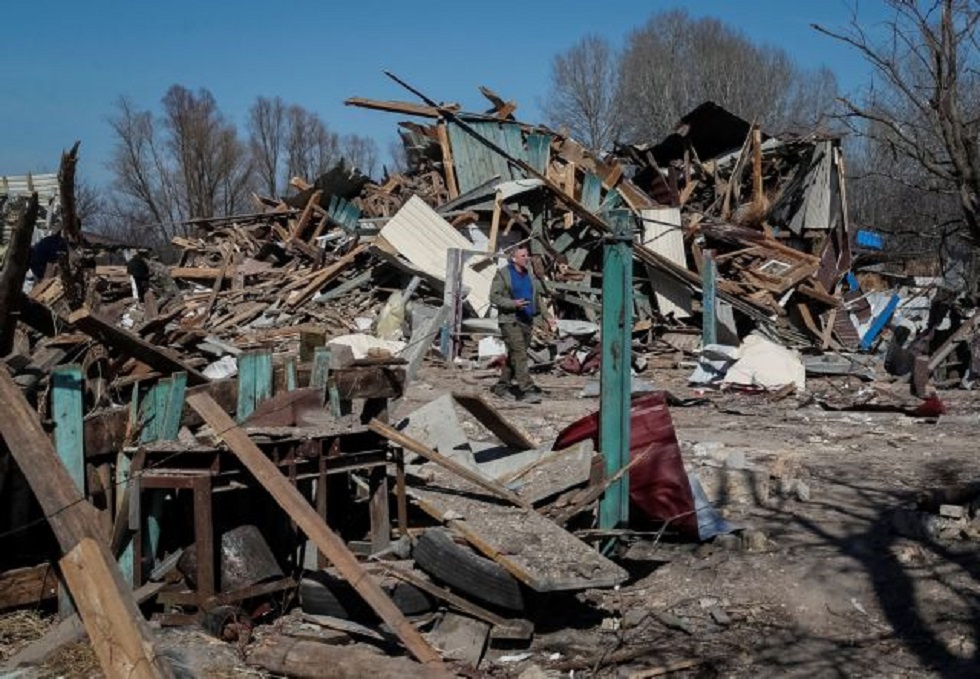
(254, 381)
(290, 374)
(614, 376)
(67, 394)
(343, 212)
(591, 192)
(612, 202)
(476, 163)
(539, 151)
(174, 407)
(709, 323)
(321, 367)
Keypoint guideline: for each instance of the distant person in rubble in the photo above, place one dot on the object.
(139, 274)
(517, 294)
(45, 252)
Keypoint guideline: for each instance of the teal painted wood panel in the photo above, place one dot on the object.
(475, 163)
(614, 377)
(539, 151)
(290, 374)
(321, 367)
(254, 381)
(613, 201)
(591, 192)
(175, 390)
(343, 212)
(67, 395)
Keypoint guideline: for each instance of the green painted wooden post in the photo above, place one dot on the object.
(290, 370)
(124, 461)
(709, 319)
(67, 396)
(254, 381)
(321, 367)
(614, 382)
(162, 411)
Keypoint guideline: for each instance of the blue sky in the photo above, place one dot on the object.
(66, 63)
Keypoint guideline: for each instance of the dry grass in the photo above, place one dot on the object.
(19, 628)
(74, 660)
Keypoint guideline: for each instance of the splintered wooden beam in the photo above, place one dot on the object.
(133, 345)
(324, 276)
(311, 523)
(13, 271)
(403, 107)
(120, 636)
(408, 443)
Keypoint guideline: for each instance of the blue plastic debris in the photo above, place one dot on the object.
(870, 240)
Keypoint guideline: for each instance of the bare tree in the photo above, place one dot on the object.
(583, 92)
(212, 163)
(360, 153)
(188, 162)
(311, 148)
(923, 104)
(397, 157)
(674, 63)
(143, 177)
(267, 131)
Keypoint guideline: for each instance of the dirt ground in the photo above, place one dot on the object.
(821, 584)
(818, 584)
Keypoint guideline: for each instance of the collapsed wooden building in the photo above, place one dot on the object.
(239, 414)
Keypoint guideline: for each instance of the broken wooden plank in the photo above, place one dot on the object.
(509, 433)
(312, 524)
(323, 277)
(963, 332)
(306, 659)
(402, 107)
(475, 478)
(123, 651)
(27, 586)
(121, 637)
(133, 345)
(448, 164)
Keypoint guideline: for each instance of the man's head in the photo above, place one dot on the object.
(520, 256)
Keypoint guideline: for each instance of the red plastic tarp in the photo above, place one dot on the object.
(659, 486)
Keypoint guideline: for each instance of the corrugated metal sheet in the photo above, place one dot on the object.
(662, 233)
(475, 163)
(46, 185)
(424, 238)
(818, 208)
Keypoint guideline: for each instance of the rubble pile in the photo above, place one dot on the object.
(226, 443)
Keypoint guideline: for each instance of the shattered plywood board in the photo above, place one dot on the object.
(534, 549)
(423, 237)
(437, 425)
(554, 474)
(509, 433)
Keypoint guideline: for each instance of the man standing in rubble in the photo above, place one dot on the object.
(517, 294)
